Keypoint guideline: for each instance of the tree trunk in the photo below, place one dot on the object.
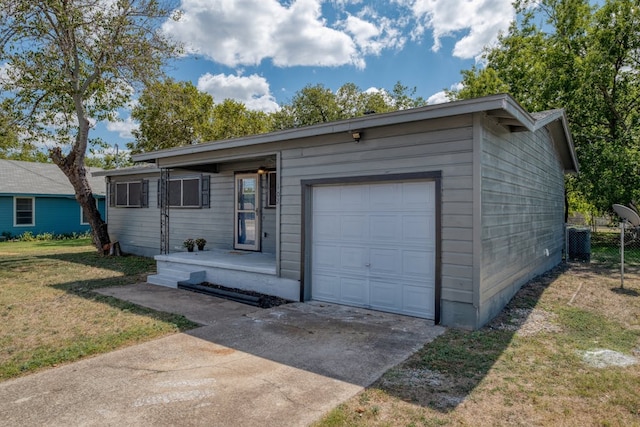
(77, 175)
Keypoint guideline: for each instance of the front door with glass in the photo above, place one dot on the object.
(247, 213)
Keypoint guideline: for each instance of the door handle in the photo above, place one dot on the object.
(367, 265)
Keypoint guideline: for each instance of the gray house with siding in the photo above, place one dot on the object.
(440, 212)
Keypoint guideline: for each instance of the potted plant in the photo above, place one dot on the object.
(200, 242)
(189, 244)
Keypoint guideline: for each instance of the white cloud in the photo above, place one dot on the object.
(4, 73)
(438, 98)
(124, 128)
(373, 33)
(247, 32)
(253, 91)
(481, 20)
(441, 97)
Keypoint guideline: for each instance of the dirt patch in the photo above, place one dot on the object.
(603, 358)
(526, 322)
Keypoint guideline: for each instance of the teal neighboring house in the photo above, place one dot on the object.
(38, 198)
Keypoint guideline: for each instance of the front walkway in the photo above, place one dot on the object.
(252, 367)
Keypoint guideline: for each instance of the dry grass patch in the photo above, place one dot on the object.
(49, 314)
(527, 367)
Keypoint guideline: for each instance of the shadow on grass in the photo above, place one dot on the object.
(626, 291)
(78, 274)
(134, 269)
(444, 372)
(128, 265)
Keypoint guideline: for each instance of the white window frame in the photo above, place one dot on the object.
(82, 213)
(15, 211)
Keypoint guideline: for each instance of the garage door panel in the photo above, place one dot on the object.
(385, 296)
(418, 300)
(324, 200)
(353, 198)
(417, 229)
(373, 245)
(384, 261)
(326, 256)
(326, 287)
(385, 228)
(324, 227)
(352, 259)
(353, 227)
(419, 264)
(354, 291)
(386, 197)
(418, 197)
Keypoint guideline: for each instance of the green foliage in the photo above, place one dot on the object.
(171, 114)
(479, 82)
(28, 236)
(70, 62)
(319, 104)
(232, 119)
(584, 58)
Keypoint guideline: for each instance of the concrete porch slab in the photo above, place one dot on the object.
(254, 271)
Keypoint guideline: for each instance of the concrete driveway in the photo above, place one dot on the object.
(246, 366)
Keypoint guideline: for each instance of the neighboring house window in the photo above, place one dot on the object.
(272, 194)
(133, 194)
(188, 192)
(24, 211)
(84, 218)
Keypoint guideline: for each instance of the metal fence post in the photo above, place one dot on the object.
(622, 254)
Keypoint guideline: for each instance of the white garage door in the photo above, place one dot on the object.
(373, 245)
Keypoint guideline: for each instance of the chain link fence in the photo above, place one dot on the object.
(598, 240)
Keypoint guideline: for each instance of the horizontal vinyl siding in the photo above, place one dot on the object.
(55, 215)
(138, 229)
(522, 213)
(439, 145)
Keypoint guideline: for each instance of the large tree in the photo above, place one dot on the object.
(585, 58)
(171, 114)
(69, 63)
(232, 119)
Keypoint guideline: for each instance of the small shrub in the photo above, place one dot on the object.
(27, 236)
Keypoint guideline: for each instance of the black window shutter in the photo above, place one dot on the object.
(159, 195)
(206, 193)
(144, 193)
(112, 194)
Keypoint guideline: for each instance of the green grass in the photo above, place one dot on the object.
(49, 314)
(605, 248)
(496, 376)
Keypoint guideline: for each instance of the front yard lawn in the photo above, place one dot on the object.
(50, 315)
(558, 355)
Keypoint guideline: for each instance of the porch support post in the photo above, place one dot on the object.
(163, 200)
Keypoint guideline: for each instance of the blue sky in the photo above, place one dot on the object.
(261, 52)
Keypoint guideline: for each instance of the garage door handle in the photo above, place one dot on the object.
(367, 265)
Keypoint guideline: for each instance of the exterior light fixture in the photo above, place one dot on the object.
(356, 135)
(262, 170)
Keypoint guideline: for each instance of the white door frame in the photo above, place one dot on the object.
(241, 239)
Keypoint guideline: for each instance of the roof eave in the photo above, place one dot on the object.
(509, 111)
